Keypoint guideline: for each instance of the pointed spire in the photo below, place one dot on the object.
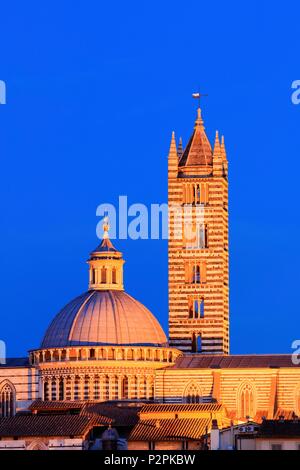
(173, 149)
(180, 149)
(217, 157)
(217, 147)
(223, 149)
(173, 158)
(199, 121)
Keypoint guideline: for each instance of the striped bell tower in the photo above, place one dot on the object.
(198, 244)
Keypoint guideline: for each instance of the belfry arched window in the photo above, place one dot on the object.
(196, 274)
(7, 401)
(246, 401)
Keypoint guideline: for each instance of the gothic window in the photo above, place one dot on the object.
(7, 401)
(246, 401)
(192, 394)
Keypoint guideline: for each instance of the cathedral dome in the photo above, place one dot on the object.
(105, 314)
(100, 317)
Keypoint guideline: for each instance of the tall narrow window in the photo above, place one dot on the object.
(199, 344)
(103, 275)
(196, 308)
(94, 276)
(61, 389)
(246, 401)
(201, 308)
(196, 274)
(114, 276)
(124, 390)
(7, 401)
(46, 391)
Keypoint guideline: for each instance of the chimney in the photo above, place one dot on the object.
(214, 436)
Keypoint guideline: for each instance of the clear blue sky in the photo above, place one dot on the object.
(94, 90)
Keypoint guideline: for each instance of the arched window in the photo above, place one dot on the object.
(196, 343)
(94, 276)
(114, 276)
(86, 388)
(46, 391)
(196, 274)
(106, 388)
(68, 388)
(76, 388)
(192, 394)
(96, 388)
(246, 401)
(103, 275)
(61, 390)
(53, 390)
(124, 388)
(7, 401)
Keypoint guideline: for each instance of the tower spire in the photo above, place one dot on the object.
(173, 158)
(217, 157)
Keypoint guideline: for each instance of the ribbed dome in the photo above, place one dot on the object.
(104, 317)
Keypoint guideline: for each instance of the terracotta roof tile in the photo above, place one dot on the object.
(46, 425)
(198, 150)
(169, 429)
(181, 407)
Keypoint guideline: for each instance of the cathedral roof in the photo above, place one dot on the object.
(198, 151)
(100, 317)
(212, 361)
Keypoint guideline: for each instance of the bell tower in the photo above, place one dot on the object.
(198, 244)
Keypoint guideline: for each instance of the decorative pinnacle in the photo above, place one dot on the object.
(106, 227)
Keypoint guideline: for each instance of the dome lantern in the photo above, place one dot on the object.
(106, 264)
